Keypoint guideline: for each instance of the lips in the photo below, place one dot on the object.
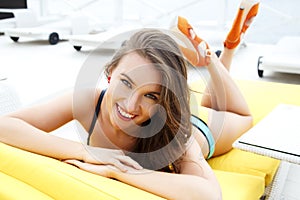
(125, 115)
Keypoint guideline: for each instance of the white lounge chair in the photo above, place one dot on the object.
(283, 58)
(110, 39)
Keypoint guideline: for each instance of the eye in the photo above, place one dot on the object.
(127, 83)
(151, 96)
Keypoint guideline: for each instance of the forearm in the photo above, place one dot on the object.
(170, 186)
(18, 133)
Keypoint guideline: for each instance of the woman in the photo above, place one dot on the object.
(141, 127)
(147, 94)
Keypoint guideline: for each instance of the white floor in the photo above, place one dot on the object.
(37, 69)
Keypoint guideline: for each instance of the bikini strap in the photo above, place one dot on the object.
(96, 114)
(202, 126)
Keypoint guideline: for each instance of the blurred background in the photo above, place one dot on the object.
(276, 18)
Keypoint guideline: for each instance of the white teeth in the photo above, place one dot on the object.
(124, 114)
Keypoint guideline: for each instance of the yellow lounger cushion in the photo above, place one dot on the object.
(237, 186)
(11, 188)
(263, 97)
(246, 163)
(39, 177)
(58, 180)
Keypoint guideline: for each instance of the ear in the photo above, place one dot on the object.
(109, 73)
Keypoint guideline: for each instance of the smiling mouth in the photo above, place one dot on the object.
(124, 114)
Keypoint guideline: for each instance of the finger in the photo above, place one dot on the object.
(129, 162)
(75, 163)
(119, 165)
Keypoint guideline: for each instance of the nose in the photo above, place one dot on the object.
(133, 103)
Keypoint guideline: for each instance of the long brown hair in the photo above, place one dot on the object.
(163, 52)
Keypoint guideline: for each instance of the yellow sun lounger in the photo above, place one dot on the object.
(242, 175)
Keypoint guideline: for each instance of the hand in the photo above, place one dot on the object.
(117, 158)
(107, 171)
(102, 170)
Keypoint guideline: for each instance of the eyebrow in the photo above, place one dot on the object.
(128, 78)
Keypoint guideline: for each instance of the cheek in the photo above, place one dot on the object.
(118, 90)
(109, 101)
(113, 94)
(152, 109)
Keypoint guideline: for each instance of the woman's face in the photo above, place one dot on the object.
(133, 92)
